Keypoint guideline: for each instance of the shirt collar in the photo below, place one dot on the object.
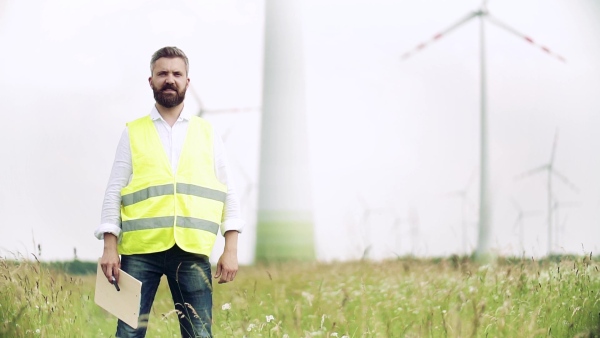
(184, 116)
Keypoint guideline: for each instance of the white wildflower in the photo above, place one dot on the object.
(37, 331)
(250, 327)
(270, 318)
(226, 306)
(334, 334)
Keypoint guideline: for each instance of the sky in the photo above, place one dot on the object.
(393, 144)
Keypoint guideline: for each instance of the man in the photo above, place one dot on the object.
(168, 195)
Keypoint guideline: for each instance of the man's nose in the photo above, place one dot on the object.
(170, 79)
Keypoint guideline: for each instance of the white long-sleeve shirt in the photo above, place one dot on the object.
(172, 139)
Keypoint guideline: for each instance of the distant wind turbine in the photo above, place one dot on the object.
(560, 226)
(463, 195)
(365, 226)
(519, 222)
(202, 110)
(396, 230)
(414, 224)
(485, 205)
(552, 172)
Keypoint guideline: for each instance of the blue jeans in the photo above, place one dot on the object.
(190, 282)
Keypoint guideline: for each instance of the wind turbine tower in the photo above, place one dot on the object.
(483, 251)
(285, 220)
(552, 172)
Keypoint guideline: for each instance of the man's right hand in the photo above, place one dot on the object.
(110, 261)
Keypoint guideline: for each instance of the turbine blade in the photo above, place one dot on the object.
(226, 134)
(438, 36)
(554, 148)
(516, 225)
(230, 110)
(525, 37)
(455, 193)
(569, 204)
(516, 205)
(532, 172)
(197, 98)
(471, 179)
(565, 180)
(564, 222)
(531, 213)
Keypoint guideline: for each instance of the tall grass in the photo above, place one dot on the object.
(396, 298)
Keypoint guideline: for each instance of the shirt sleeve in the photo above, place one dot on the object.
(110, 220)
(232, 214)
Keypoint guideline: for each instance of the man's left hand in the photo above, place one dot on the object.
(227, 267)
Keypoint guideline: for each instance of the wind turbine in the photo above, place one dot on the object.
(463, 195)
(521, 215)
(413, 224)
(485, 205)
(396, 230)
(552, 172)
(556, 207)
(366, 213)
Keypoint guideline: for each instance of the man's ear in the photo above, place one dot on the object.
(150, 81)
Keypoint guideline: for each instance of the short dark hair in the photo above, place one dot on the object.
(169, 52)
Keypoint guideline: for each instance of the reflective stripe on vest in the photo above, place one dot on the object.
(158, 208)
(167, 189)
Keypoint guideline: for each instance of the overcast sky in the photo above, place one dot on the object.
(388, 138)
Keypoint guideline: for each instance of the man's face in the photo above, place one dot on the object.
(169, 81)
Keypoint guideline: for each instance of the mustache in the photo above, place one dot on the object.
(169, 86)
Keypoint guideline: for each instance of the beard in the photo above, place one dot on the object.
(168, 100)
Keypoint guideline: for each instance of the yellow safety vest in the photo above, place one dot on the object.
(160, 208)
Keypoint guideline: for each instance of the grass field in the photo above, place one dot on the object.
(407, 297)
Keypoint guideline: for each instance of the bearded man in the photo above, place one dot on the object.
(169, 194)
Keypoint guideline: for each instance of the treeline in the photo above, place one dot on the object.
(74, 267)
(77, 267)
